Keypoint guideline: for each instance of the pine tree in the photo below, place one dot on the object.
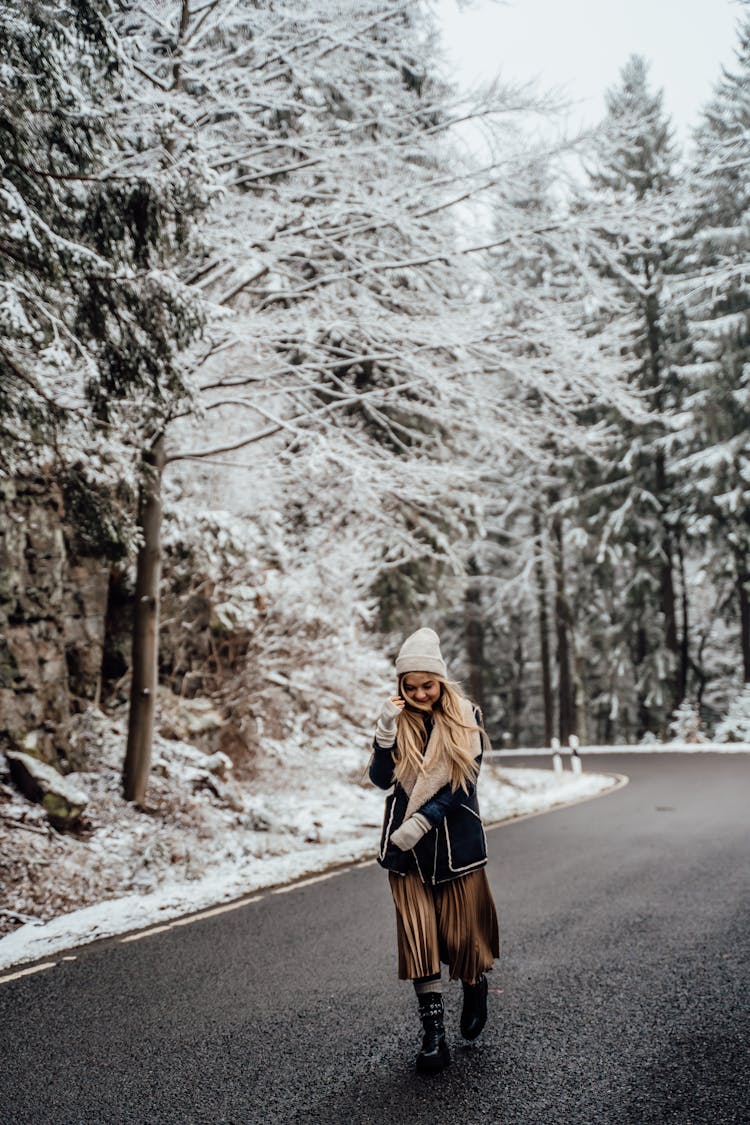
(715, 440)
(631, 509)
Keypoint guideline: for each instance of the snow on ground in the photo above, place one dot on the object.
(309, 808)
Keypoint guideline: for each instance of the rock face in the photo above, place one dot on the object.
(52, 613)
(60, 797)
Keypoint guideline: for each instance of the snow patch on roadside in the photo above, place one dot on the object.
(507, 793)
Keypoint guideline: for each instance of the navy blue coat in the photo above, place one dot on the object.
(456, 843)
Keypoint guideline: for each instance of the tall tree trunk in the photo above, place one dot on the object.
(685, 625)
(666, 585)
(145, 654)
(743, 581)
(666, 565)
(179, 45)
(581, 709)
(474, 635)
(516, 699)
(566, 706)
(543, 617)
(641, 651)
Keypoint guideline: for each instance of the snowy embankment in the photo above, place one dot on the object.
(311, 808)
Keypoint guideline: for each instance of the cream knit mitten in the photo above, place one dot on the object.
(410, 832)
(385, 731)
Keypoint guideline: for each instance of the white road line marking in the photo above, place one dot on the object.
(145, 933)
(68, 958)
(191, 918)
(216, 910)
(307, 882)
(28, 972)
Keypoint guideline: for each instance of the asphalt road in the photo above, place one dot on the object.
(622, 995)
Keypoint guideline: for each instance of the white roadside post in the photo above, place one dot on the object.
(575, 760)
(557, 764)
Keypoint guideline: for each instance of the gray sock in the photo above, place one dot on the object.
(428, 984)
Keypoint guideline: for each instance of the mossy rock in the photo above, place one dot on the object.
(59, 796)
(61, 813)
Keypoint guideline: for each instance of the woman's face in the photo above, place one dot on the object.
(422, 689)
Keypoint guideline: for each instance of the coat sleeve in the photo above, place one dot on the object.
(446, 799)
(381, 766)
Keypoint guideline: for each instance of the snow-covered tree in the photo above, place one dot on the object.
(715, 423)
(686, 725)
(349, 336)
(91, 319)
(735, 726)
(562, 377)
(331, 280)
(629, 507)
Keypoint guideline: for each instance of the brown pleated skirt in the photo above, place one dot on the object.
(453, 922)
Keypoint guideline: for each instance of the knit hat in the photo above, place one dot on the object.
(421, 653)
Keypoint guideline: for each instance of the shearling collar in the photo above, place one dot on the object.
(435, 772)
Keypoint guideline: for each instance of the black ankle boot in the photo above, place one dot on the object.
(474, 1014)
(434, 1055)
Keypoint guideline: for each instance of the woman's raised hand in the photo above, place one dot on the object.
(385, 731)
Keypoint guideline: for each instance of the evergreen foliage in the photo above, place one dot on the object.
(629, 505)
(735, 727)
(715, 439)
(92, 319)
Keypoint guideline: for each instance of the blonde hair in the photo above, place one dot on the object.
(451, 732)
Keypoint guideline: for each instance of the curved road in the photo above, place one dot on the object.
(622, 996)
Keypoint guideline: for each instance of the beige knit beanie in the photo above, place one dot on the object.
(421, 653)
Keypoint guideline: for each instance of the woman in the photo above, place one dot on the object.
(428, 746)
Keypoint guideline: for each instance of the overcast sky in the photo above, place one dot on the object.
(581, 45)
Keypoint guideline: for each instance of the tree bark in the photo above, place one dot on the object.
(566, 698)
(666, 565)
(543, 617)
(682, 682)
(581, 709)
(743, 580)
(666, 585)
(145, 654)
(641, 651)
(178, 47)
(474, 636)
(516, 695)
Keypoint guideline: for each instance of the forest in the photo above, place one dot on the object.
(304, 346)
